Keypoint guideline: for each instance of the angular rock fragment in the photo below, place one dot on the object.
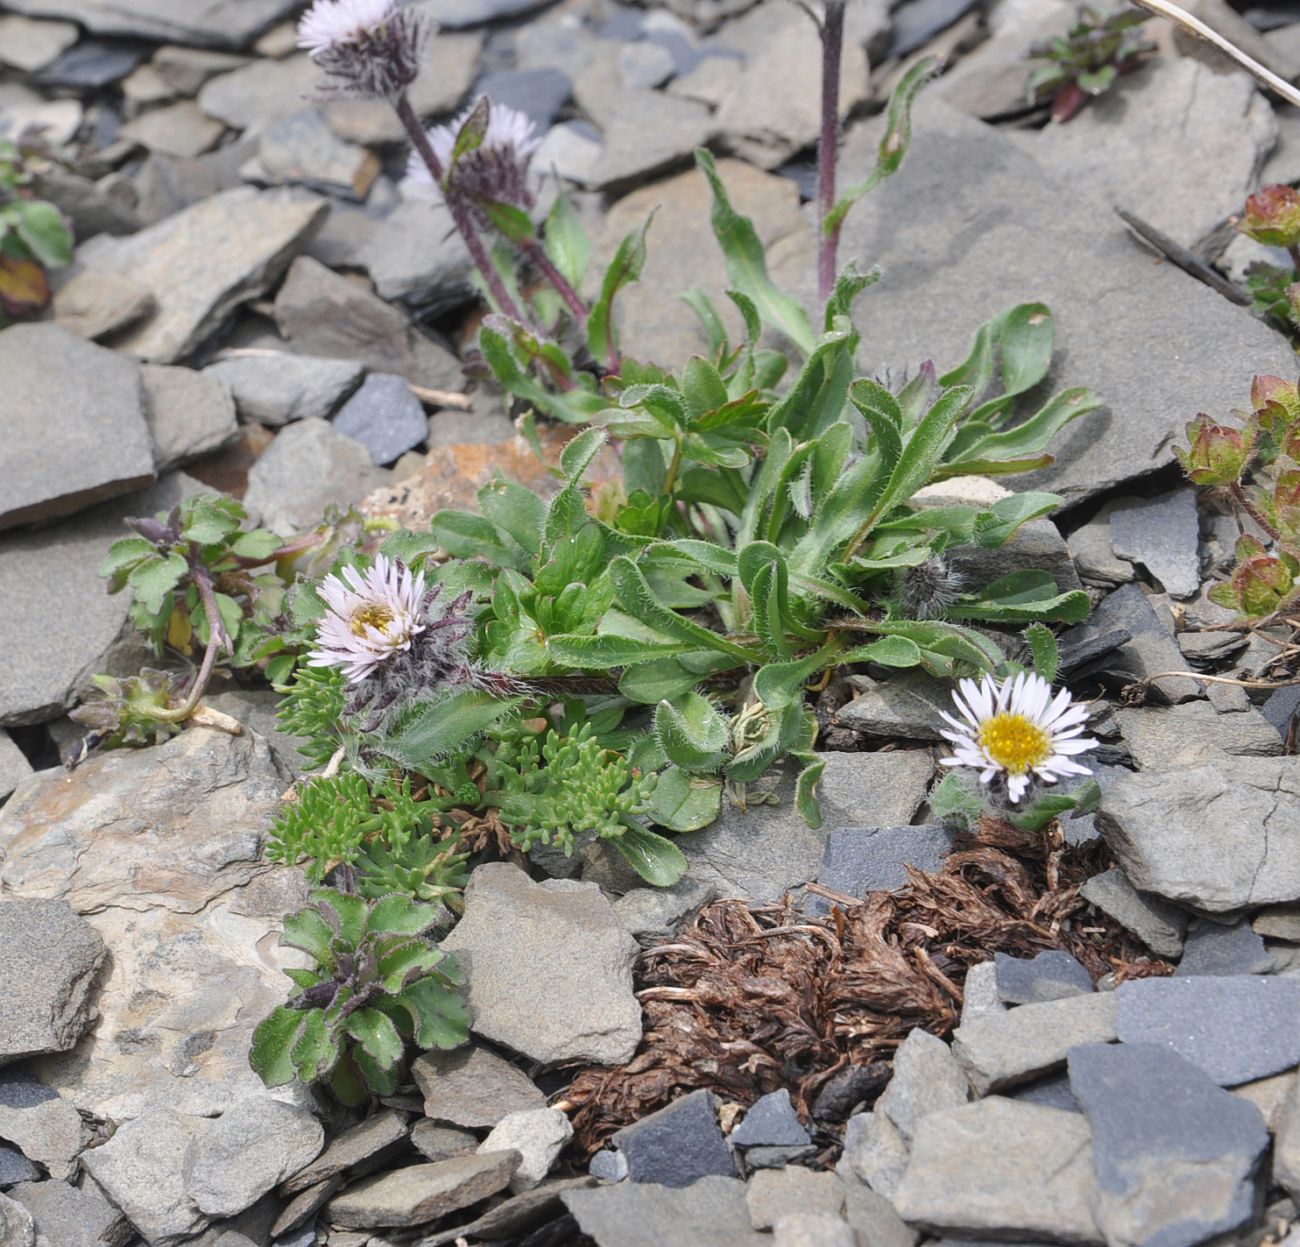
(422, 1193)
(277, 388)
(633, 1214)
(1222, 951)
(190, 414)
(1159, 925)
(677, 1145)
(384, 416)
(1051, 975)
(378, 1133)
(473, 1087)
(538, 1135)
(927, 1079)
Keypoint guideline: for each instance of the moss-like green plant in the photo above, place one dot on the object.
(422, 866)
(377, 985)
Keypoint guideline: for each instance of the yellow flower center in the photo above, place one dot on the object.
(1014, 743)
(376, 615)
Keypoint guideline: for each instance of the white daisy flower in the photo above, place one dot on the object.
(496, 170)
(372, 616)
(1018, 730)
(372, 47)
(329, 23)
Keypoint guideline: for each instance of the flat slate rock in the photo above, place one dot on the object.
(385, 417)
(549, 967)
(677, 1145)
(1051, 975)
(1158, 924)
(771, 1122)
(1174, 1154)
(379, 1132)
(1165, 738)
(222, 23)
(74, 421)
(1214, 949)
(190, 413)
(1019, 228)
(1163, 534)
(633, 1214)
(1217, 837)
(927, 1079)
(1150, 649)
(202, 263)
(70, 1216)
(278, 388)
(861, 860)
(15, 1168)
(1236, 1029)
(421, 1193)
(473, 1087)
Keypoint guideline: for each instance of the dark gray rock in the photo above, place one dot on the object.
(384, 416)
(1051, 975)
(1159, 925)
(74, 421)
(1281, 709)
(1053, 1092)
(1203, 1019)
(633, 1214)
(678, 1145)
(70, 1216)
(202, 263)
(654, 913)
(771, 1122)
(1175, 1155)
(48, 961)
(322, 313)
(927, 1079)
(226, 23)
(190, 414)
(278, 388)
(1156, 823)
(908, 705)
(472, 1087)
(418, 256)
(549, 966)
(540, 93)
(914, 23)
(308, 467)
(1017, 223)
(859, 860)
(1222, 951)
(1002, 1170)
(377, 1134)
(1003, 1049)
(15, 1168)
(1150, 650)
(1163, 534)
(1165, 738)
(876, 1152)
(608, 1165)
(92, 63)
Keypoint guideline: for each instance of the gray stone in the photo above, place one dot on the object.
(677, 1145)
(572, 151)
(861, 860)
(48, 961)
(876, 1152)
(1159, 925)
(907, 706)
(632, 1214)
(1281, 709)
(302, 150)
(773, 1193)
(277, 388)
(321, 313)
(1051, 1092)
(309, 467)
(14, 767)
(300, 1212)
(1186, 129)
(980, 996)
(474, 427)
(539, 93)
(435, 1142)
(256, 709)
(645, 132)
(550, 970)
(1282, 922)
(1156, 823)
(653, 913)
(1051, 975)
(1094, 555)
(1222, 951)
(999, 1169)
(94, 305)
(16, 1226)
(473, 1087)
(141, 1171)
(1001, 1050)
(871, 1214)
(1162, 534)
(70, 1216)
(1175, 1156)
(771, 1122)
(379, 1133)
(1201, 1018)
(539, 1135)
(1270, 1096)
(37, 1120)
(608, 1165)
(75, 431)
(190, 414)
(203, 263)
(513, 1216)
(421, 1193)
(1151, 649)
(57, 120)
(384, 416)
(1018, 222)
(15, 1167)
(813, 1229)
(29, 45)
(247, 1151)
(226, 23)
(262, 92)
(418, 256)
(92, 63)
(180, 129)
(161, 850)
(645, 65)
(185, 70)
(1035, 546)
(927, 1079)
(1286, 1146)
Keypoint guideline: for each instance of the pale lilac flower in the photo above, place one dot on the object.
(1018, 730)
(493, 171)
(372, 617)
(371, 46)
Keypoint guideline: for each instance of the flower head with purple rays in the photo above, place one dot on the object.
(371, 47)
(372, 617)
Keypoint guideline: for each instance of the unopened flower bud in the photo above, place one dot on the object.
(1272, 216)
(1216, 454)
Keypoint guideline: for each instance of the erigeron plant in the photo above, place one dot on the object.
(1271, 216)
(34, 237)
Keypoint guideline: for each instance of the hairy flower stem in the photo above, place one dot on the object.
(459, 215)
(216, 635)
(832, 36)
(1253, 511)
(537, 254)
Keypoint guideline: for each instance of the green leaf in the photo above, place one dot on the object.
(638, 600)
(407, 547)
(685, 802)
(465, 535)
(580, 451)
(259, 544)
(693, 734)
(848, 286)
(655, 858)
(747, 263)
(42, 227)
(516, 510)
(126, 552)
(889, 651)
(273, 1042)
(999, 523)
(439, 1013)
(375, 1032)
(1033, 435)
(567, 243)
(600, 653)
(1023, 597)
(434, 730)
(210, 519)
(153, 580)
(400, 915)
(1027, 339)
(702, 306)
(317, 1050)
(894, 144)
(308, 931)
(805, 789)
(816, 397)
(350, 912)
(510, 221)
(1043, 647)
(405, 960)
(623, 269)
(379, 1079)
